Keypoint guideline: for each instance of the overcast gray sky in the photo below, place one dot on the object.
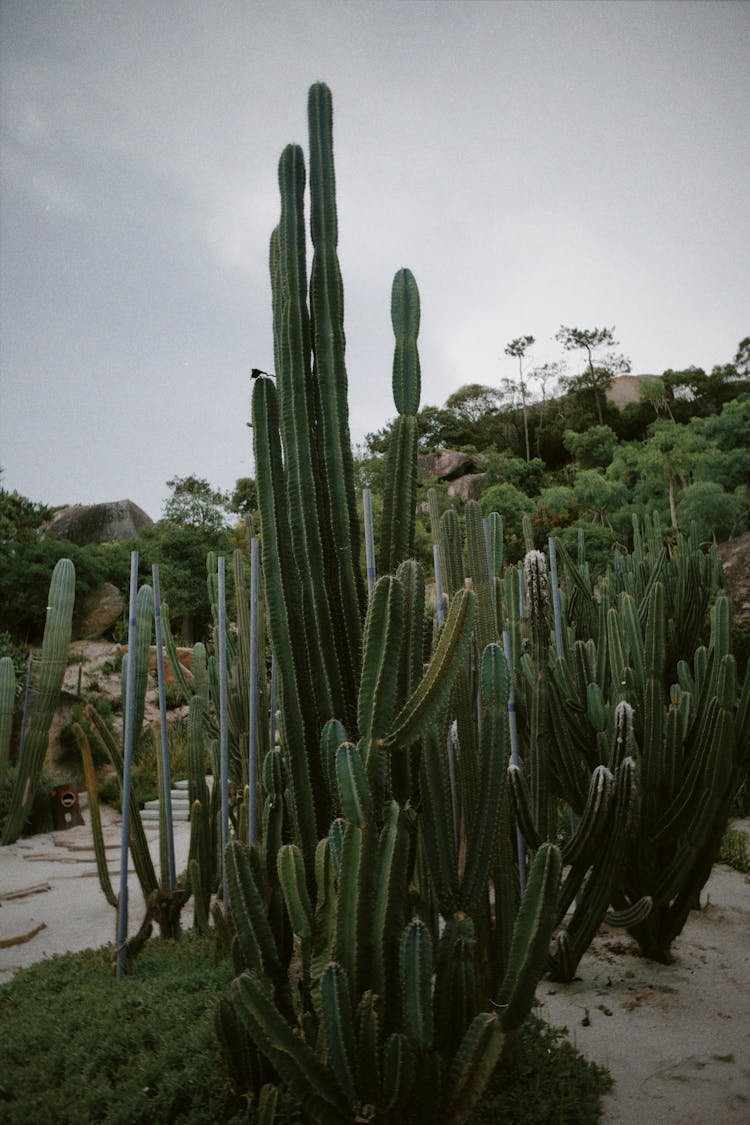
(534, 164)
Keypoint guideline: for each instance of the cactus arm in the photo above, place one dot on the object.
(398, 1072)
(367, 1035)
(254, 935)
(144, 619)
(354, 790)
(473, 1066)
(331, 737)
(96, 819)
(592, 823)
(438, 828)
(352, 941)
(138, 843)
(421, 708)
(630, 915)
(602, 880)
(476, 544)
(450, 549)
(306, 1077)
(291, 874)
(382, 643)
(389, 907)
(405, 321)
(339, 1028)
(327, 305)
(174, 662)
(415, 961)
(399, 496)
(531, 937)
(455, 983)
(494, 692)
(399, 500)
(284, 615)
(519, 790)
(55, 644)
(297, 392)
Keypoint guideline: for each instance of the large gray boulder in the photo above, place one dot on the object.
(98, 523)
(448, 464)
(97, 611)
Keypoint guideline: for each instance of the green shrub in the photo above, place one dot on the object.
(77, 1045)
(734, 850)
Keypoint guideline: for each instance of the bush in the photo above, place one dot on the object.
(77, 1045)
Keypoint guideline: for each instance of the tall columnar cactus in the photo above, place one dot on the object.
(399, 502)
(48, 676)
(7, 708)
(313, 583)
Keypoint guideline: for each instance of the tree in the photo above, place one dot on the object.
(656, 393)
(196, 518)
(518, 348)
(741, 359)
(472, 401)
(593, 448)
(596, 378)
(194, 503)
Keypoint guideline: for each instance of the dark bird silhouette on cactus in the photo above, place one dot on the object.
(256, 372)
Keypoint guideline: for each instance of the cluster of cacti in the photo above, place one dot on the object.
(48, 672)
(381, 1023)
(626, 749)
(386, 1008)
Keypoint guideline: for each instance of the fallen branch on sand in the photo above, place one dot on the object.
(5, 943)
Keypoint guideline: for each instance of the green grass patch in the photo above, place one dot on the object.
(77, 1045)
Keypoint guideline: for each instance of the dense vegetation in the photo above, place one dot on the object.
(682, 450)
(76, 1047)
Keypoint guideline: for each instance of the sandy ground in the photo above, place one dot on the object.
(65, 899)
(676, 1038)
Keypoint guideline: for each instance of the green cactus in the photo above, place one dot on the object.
(399, 501)
(46, 687)
(7, 708)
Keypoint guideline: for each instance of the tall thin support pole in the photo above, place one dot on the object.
(223, 726)
(169, 876)
(129, 738)
(514, 756)
(556, 607)
(557, 610)
(274, 695)
(369, 540)
(252, 767)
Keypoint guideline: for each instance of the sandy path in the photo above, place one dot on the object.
(676, 1038)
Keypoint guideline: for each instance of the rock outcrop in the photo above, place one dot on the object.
(735, 556)
(97, 612)
(468, 487)
(448, 464)
(98, 523)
